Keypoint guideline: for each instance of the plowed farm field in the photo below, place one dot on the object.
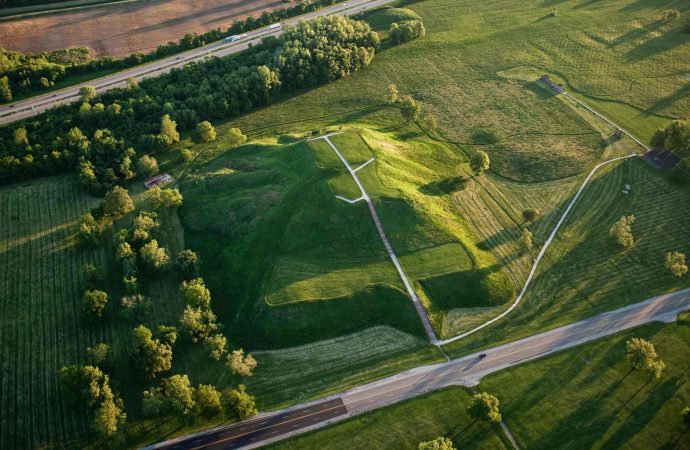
(121, 29)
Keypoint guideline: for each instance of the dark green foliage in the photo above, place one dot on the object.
(88, 384)
(674, 137)
(224, 87)
(94, 302)
(150, 356)
(240, 403)
(681, 173)
(406, 31)
(468, 289)
(117, 202)
(187, 264)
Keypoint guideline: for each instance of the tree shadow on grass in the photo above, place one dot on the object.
(643, 414)
(443, 187)
(542, 92)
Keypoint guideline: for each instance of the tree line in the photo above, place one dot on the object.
(102, 136)
(32, 73)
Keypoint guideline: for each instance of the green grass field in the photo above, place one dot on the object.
(405, 425)
(584, 273)
(584, 397)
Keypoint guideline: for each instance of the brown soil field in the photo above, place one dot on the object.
(121, 29)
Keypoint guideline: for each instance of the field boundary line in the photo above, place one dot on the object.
(605, 119)
(382, 234)
(539, 257)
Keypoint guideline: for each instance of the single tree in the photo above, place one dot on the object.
(98, 353)
(207, 400)
(217, 346)
(179, 394)
(205, 131)
(621, 231)
(241, 403)
(670, 14)
(240, 364)
(147, 166)
(526, 242)
(20, 138)
(166, 198)
(484, 407)
(440, 443)
(89, 230)
(409, 109)
(5, 90)
(675, 262)
(479, 162)
(132, 83)
(94, 302)
(168, 134)
(392, 94)
(187, 264)
(529, 214)
(150, 356)
(135, 307)
(117, 202)
(154, 257)
(124, 251)
(109, 417)
(87, 93)
(199, 323)
(642, 355)
(195, 293)
(235, 137)
(186, 155)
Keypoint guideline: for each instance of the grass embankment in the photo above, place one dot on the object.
(298, 276)
(585, 397)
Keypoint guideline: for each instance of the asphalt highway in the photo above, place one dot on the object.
(36, 105)
(466, 371)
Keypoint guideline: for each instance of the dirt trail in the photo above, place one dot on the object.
(121, 29)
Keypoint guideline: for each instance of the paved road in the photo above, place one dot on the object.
(36, 105)
(410, 290)
(465, 371)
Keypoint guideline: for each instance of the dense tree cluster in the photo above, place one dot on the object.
(152, 356)
(33, 72)
(102, 137)
(406, 31)
(88, 384)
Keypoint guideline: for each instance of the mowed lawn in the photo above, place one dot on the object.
(584, 397)
(584, 272)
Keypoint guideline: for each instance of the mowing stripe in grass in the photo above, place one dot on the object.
(540, 256)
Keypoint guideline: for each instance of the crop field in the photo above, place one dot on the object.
(41, 326)
(121, 29)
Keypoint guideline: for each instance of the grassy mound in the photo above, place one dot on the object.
(468, 289)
